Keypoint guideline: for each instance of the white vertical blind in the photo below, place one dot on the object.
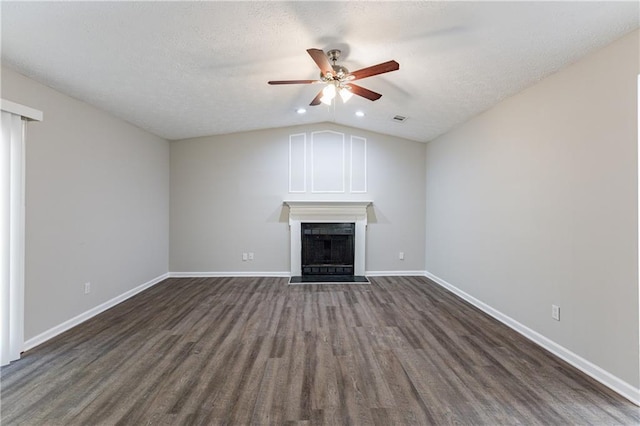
(12, 237)
(12, 223)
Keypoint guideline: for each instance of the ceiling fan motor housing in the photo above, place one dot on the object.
(339, 73)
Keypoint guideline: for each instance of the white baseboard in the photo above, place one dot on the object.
(395, 273)
(285, 274)
(61, 328)
(227, 274)
(614, 383)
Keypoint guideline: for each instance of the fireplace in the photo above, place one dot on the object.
(327, 248)
(328, 212)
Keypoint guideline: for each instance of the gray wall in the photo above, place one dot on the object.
(534, 203)
(97, 203)
(227, 193)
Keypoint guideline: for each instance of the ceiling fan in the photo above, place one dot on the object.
(338, 79)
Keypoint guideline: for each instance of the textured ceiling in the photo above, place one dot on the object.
(187, 69)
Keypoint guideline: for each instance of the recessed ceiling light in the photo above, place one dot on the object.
(360, 113)
(301, 110)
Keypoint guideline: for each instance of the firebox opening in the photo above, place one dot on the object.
(328, 248)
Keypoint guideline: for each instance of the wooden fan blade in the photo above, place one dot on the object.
(365, 93)
(321, 59)
(375, 70)
(316, 100)
(293, 81)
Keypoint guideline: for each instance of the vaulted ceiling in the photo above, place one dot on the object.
(188, 69)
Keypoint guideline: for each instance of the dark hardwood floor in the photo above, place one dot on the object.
(256, 351)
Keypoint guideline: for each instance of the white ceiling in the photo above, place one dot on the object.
(187, 69)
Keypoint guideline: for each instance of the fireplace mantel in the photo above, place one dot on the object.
(327, 211)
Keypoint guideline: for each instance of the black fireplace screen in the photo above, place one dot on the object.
(327, 248)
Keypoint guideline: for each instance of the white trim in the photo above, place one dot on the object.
(351, 165)
(614, 383)
(638, 222)
(228, 274)
(21, 110)
(395, 273)
(344, 165)
(304, 163)
(285, 274)
(61, 328)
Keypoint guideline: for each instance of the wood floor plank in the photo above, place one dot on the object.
(262, 409)
(400, 350)
(292, 389)
(324, 394)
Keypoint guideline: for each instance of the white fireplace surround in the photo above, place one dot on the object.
(327, 212)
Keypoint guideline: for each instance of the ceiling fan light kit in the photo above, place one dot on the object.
(337, 78)
(345, 94)
(328, 93)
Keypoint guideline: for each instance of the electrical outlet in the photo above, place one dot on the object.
(250, 255)
(244, 257)
(87, 288)
(555, 312)
(401, 255)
